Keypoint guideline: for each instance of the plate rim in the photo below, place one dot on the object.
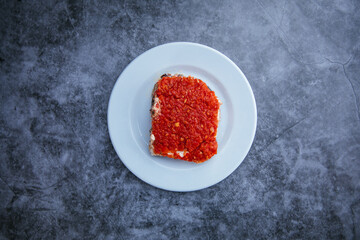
(228, 60)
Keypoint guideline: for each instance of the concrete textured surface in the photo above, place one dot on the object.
(60, 177)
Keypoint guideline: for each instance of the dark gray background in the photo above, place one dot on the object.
(60, 176)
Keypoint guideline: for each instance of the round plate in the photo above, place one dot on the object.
(129, 119)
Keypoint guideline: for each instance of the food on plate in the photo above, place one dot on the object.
(185, 116)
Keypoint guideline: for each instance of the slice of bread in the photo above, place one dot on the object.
(185, 114)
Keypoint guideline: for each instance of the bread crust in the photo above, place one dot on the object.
(153, 113)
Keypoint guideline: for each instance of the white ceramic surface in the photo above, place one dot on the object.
(129, 117)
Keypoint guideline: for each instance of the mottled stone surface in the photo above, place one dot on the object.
(61, 178)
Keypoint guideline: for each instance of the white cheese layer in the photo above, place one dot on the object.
(156, 106)
(181, 153)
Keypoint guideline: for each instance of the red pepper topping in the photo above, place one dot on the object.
(186, 126)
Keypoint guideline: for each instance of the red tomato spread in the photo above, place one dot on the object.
(185, 126)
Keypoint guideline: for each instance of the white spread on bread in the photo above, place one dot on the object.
(151, 147)
(218, 116)
(156, 106)
(181, 153)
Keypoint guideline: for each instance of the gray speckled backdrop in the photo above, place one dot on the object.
(61, 178)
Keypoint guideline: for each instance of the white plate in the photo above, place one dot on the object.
(129, 117)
